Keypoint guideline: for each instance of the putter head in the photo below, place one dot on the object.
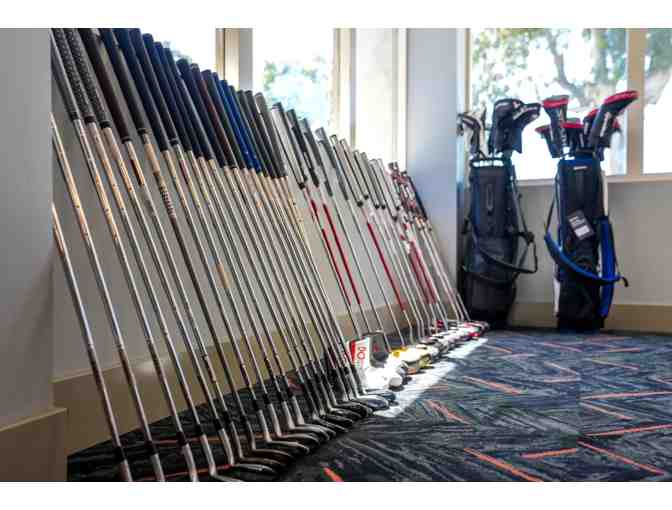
(545, 132)
(603, 124)
(556, 108)
(521, 117)
(502, 122)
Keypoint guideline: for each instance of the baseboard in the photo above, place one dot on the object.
(34, 449)
(650, 318)
(86, 422)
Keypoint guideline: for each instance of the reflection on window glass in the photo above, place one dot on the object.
(196, 44)
(295, 67)
(658, 100)
(588, 64)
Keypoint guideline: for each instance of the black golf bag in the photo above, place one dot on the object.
(494, 230)
(584, 254)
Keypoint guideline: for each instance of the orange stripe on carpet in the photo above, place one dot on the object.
(500, 349)
(606, 411)
(550, 453)
(627, 394)
(332, 475)
(612, 364)
(505, 466)
(446, 412)
(558, 346)
(646, 467)
(623, 349)
(496, 386)
(633, 430)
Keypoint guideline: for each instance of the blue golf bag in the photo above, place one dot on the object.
(584, 252)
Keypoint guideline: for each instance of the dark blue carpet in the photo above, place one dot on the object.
(524, 406)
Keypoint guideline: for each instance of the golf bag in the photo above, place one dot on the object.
(584, 254)
(494, 229)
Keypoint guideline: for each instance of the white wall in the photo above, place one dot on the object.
(26, 342)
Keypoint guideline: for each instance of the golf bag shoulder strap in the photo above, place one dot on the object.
(610, 273)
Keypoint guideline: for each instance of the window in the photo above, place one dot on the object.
(297, 68)
(196, 44)
(657, 100)
(531, 64)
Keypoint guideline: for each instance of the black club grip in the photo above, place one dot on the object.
(275, 149)
(166, 90)
(86, 77)
(345, 168)
(179, 94)
(291, 150)
(352, 166)
(315, 150)
(140, 84)
(329, 151)
(152, 82)
(359, 164)
(71, 73)
(58, 70)
(375, 180)
(258, 127)
(304, 155)
(91, 45)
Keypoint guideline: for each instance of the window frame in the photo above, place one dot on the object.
(634, 136)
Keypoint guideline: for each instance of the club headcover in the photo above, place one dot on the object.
(612, 107)
(574, 133)
(471, 126)
(587, 125)
(545, 132)
(522, 117)
(502, 123)
(556, 108)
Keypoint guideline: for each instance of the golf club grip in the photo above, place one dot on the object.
(95, 57)
(323, 140)
(61, 80)
(95, 101)
(375, 183)
(239, 116)
(70, 69)
(218, 119)
(257, 126)
(137, 115)
(165, 90)
(165, 60)
(359, 164)
(152, 82)
(303, 148)
(257, 143)
(275, 149)
(190, 113)
(248, 129)
(352, 165)
(315, 150)
(280, 123)
(221, 104)
(225, 97)
(385, 179)
(344, 163)
(188, 80)
(140, 84)
(333, 163)
(233, 116)
(416, 196)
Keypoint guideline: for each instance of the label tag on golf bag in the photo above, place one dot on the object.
(580, 226)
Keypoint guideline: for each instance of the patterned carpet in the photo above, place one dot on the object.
(522, 406)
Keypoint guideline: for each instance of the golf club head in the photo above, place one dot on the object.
(502, 123)
(545, 132)
(521, 118)
(556, 108)
(472, 126)
(574, 133)
(603, 123)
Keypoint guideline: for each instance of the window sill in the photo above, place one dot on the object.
(611, 179)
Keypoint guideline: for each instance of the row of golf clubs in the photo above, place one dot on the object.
(232, 154)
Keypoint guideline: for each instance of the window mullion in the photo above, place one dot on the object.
(636, 48)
